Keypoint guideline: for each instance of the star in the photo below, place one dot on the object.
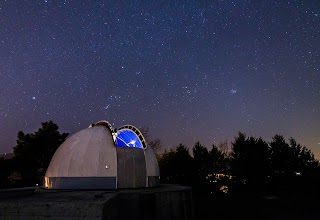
(135, 63)
(106, 107)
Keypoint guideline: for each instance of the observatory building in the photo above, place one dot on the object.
(102, 157)
(88, 164)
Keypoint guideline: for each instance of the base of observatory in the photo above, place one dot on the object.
(97, 183)
(82, 182)
(162, 202)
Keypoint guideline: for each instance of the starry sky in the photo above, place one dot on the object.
(186, 70)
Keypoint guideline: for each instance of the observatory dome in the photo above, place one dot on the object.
(102, 157)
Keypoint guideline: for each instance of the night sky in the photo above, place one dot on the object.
(187, 70)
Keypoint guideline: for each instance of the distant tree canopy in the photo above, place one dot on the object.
(202, 160)
(250, 159)
(34, 151)
(272, 165)
(253, 158)
(178, 166)
(291, 158)
(252, 162)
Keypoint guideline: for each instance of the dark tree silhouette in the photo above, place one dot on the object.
(202, 161)
(239, 156)
(166, 161)
(250, 161)
(252, 166)
(219, 159)
(293, 166)
(202, 164)
(154, 143)
(176, 166)
(184, 164)
(303, 161)
(33, 152)
(281, 157)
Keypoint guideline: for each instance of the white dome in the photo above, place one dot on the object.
(89, 159)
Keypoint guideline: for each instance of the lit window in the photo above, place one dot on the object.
(127, 138)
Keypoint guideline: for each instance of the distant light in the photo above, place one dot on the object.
(298, 173)
(107, 167)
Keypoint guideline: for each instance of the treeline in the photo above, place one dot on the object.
(251, 165)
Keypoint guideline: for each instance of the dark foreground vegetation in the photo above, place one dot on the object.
(251, 179)
(32, 156)
(255, 179)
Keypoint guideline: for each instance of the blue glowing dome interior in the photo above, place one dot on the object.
(127, 138)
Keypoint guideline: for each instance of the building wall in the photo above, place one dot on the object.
(163, 204)
(131, 168)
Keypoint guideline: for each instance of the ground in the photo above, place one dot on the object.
(294, 206)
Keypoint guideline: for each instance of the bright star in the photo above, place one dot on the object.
(107, 106)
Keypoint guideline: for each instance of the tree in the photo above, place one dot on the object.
(201, 159)
(219, 158)
(184, 165)
(154, 143)
(176, 166)
(33, 152)
(303, 161)
(166, 161)
(250, 160)
(281, 156)
(156, 146)
(293, 166)
(239, 156)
